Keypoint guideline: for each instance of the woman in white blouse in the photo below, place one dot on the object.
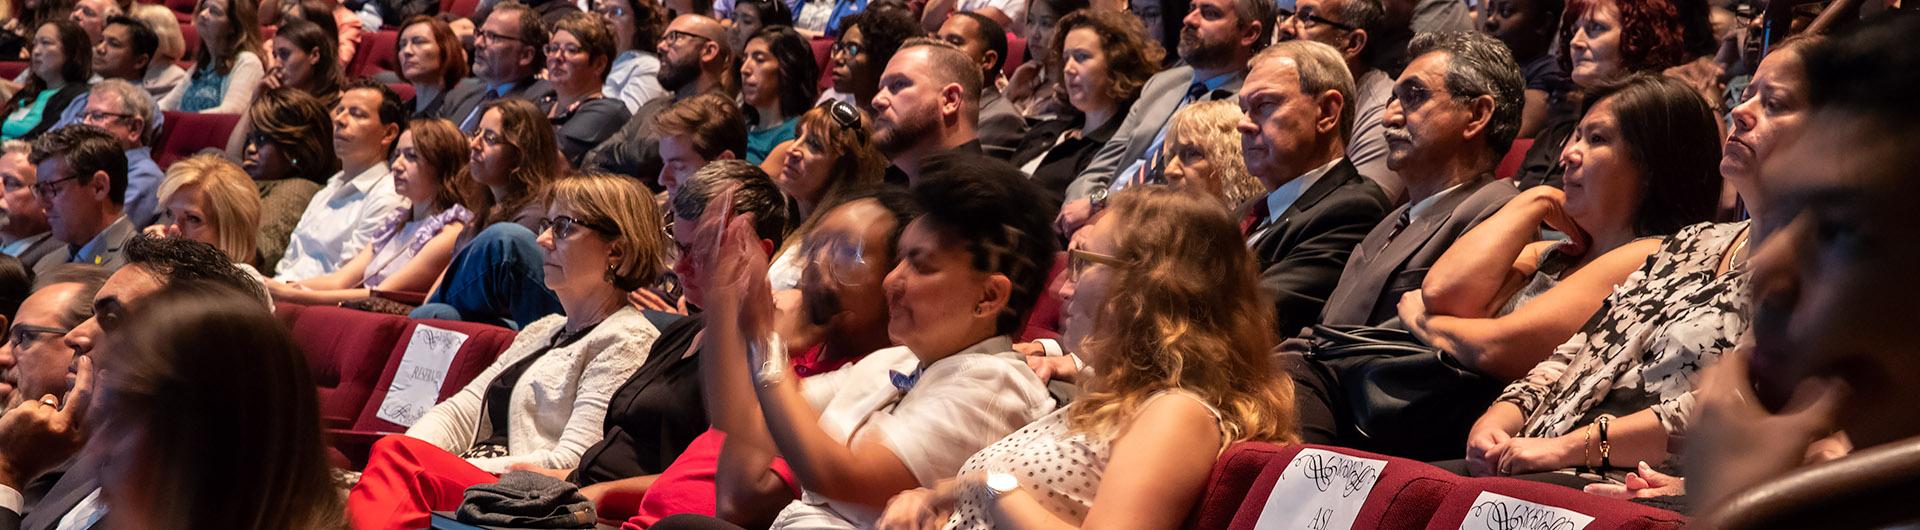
(637, 26)
(543, 402)
(1182, 351)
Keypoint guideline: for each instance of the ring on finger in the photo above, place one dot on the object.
(50, 401)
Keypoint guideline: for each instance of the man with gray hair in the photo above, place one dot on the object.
(1455, 111)
(1349, 26)
(27, 234)
(929, 102)
(1317, 206)
(127, 112)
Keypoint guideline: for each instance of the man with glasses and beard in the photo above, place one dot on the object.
(507, 56)
(694, 60)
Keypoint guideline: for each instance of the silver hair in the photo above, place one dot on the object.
(135, 101)
(1480, 65)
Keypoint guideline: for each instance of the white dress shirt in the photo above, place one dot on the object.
(342, 218)
(1284, 196)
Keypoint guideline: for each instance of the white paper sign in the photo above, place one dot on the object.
(1493, 511)
(1320, 490)
(416, 386)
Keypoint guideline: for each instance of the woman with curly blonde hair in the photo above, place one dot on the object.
(1203, 153)
(1181, 350)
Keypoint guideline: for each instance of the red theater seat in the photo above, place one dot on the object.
(347, 349)
(823, 54)
(1467, 500)
(375, 54)
(191, 37)
(1016, 54)
(186, 133)
(404, 90)
(462, 8)
(1402, 496)
(1517, 154)
(12, 69)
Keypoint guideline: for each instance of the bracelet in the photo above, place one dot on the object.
(772, 357)
(1606, 461)
(1586, 447)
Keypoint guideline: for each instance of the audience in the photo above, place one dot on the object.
(831, 160)
(227, 68)
(81, 179)
(1205, 155)
(289, 154)
(17, 36)
(91, 15)
(413, 243)
(163, 72)
(777, 75)
(1001, 125)
(16, 284)
(303, 58)
(863, 50)
(693, 63)
(1528, 27)
(929, 103)
(747, 18)
(345, 215)
(1105, 58)
(1638, 170)
(1218, 39)
(506, 61)
(578, 57)
(210, 200)
(1348, 26)
(35, 358)
(27, 232)
(56, 77)
(1034, 87)
(126, 50)
(433, 63)
(694, 133)
(637, 25)
(543, 402)
(127, 112)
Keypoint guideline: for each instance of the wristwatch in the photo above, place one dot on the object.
(1000, 484)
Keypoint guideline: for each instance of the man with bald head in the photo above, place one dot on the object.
(929, 102)
(694, 60)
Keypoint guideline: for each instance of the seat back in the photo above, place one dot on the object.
(404, 90)
(1871, 488)
(12, 69)
(462, 8)
(375, 54)
(186, 133)
(1016, 54)
(1517, 154)
(484, 343)
(347, 350)
(1475, 503)
(1261, 486)
(191, 37)
(823, 54)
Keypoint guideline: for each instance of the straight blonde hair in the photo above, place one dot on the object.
(232, 204)
(627, 207)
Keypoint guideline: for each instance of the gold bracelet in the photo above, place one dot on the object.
(1586, 447)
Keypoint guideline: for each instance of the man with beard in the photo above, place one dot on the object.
(694, 60)
(1217, 40)
(929, 102)
(508, 52)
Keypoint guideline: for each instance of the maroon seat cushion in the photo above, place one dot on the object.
(346, 349)
(1470, 499)
(1402, 495)
(187, 133)
(375, 54)
(484, 344)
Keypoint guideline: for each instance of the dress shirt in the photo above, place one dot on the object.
(1284, 196)
(340, 220)
(1132, 174)
(143, 187)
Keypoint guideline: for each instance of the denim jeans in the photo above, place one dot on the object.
(496, 279)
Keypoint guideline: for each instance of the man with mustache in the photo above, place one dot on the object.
(694, 60)
(1218, 39)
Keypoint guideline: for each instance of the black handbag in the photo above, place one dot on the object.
(1398, 396)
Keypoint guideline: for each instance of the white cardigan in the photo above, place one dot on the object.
(559, 405)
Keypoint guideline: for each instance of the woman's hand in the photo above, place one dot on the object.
(157, 231)
(1488, 440)
(1641, 484)
(1552, 204)
(1534, 455)
(924, 508)
(1734, 443)
(274, 78)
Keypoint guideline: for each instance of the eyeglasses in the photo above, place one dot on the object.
(852, 49)
(1309, 19)
(51, 188)
(610, 11)
(838, 259)
(97, 117)
(491, 36)
(24, 335)
(673, 38)
(562, 226)
(842, 113)
(1078, 260)
(558, 49)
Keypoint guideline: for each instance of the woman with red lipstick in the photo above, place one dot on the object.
(1106, 57)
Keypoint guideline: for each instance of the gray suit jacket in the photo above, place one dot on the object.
(1159, 99)
(1001, 126)
(459, 103)
(1380, 271)
(54, 494)
(44, 254)
(107, 246)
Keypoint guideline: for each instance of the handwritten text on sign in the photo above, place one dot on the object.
(416, 386)
(1320, 490)
(1493, 511)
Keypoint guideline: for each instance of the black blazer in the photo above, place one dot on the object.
(50, 496)
(461, 101)
(1383, 269)
(1302, 253)
(1065, 159)
(655, 415)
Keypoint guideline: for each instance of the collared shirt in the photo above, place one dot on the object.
(1421, 207)
(84, 515)
(1136, 173)
(341, 219)
(15, 248)
(143, 187)
(90, 252)
(1284, 196)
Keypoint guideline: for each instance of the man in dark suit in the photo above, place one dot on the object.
(1218, 39)
(1456, 110)
(1317, 205)
(508, 52)
(49, 469)
(82, 181)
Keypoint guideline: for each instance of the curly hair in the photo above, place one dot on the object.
(1132, 57)
(1653, 33)
(535, 160)
(649, 22)
(1190, 318)
(300, 127)
(1214, 126)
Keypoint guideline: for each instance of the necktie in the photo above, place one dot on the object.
(473, 118)
(1194, 93)
(1150, 164)
(1256, 216)
(1400, 223)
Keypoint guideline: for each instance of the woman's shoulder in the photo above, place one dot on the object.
(625, 326)
(1702, 238)
(287, 187)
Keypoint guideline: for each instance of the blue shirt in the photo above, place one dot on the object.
(143, 187)
(760, 143)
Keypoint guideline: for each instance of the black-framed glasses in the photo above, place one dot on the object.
(51, 188)
(852, 49)
(25, 335)
(97, 117)
(562, 226)
(557, 49)
(493, 36)
(1078, 260)
(842, 113)
(1309, 19)
(673, 38)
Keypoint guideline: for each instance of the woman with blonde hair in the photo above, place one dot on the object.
(429, 166)
(1203, 153)
(1167, 313)
(209, 199)
(163, 72)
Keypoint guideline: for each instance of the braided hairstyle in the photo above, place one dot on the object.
(1000, 216)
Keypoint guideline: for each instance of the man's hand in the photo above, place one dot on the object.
(1073, 215)
(38, 435)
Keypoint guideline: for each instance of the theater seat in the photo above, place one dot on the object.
(187, 133)
(191, 37)
(404, 90)
(1380, 492)
(462, 8)
(1872, 488)
(1016, 54)
(1548, 505)
(484, 344)
(12, 69)
(823, 54)
(1043, 322)
(375, 54)
(347, 349)
(1510, 164)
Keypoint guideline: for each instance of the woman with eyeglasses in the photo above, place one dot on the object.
(777, 75)
(862, 51)
(832, 155)
(1162, 301)
(227, 69)
(416, 241)
(288, 154)
(543, 402)
(637, 26)
(578, 56)
(1106, 58)
(62, 61)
